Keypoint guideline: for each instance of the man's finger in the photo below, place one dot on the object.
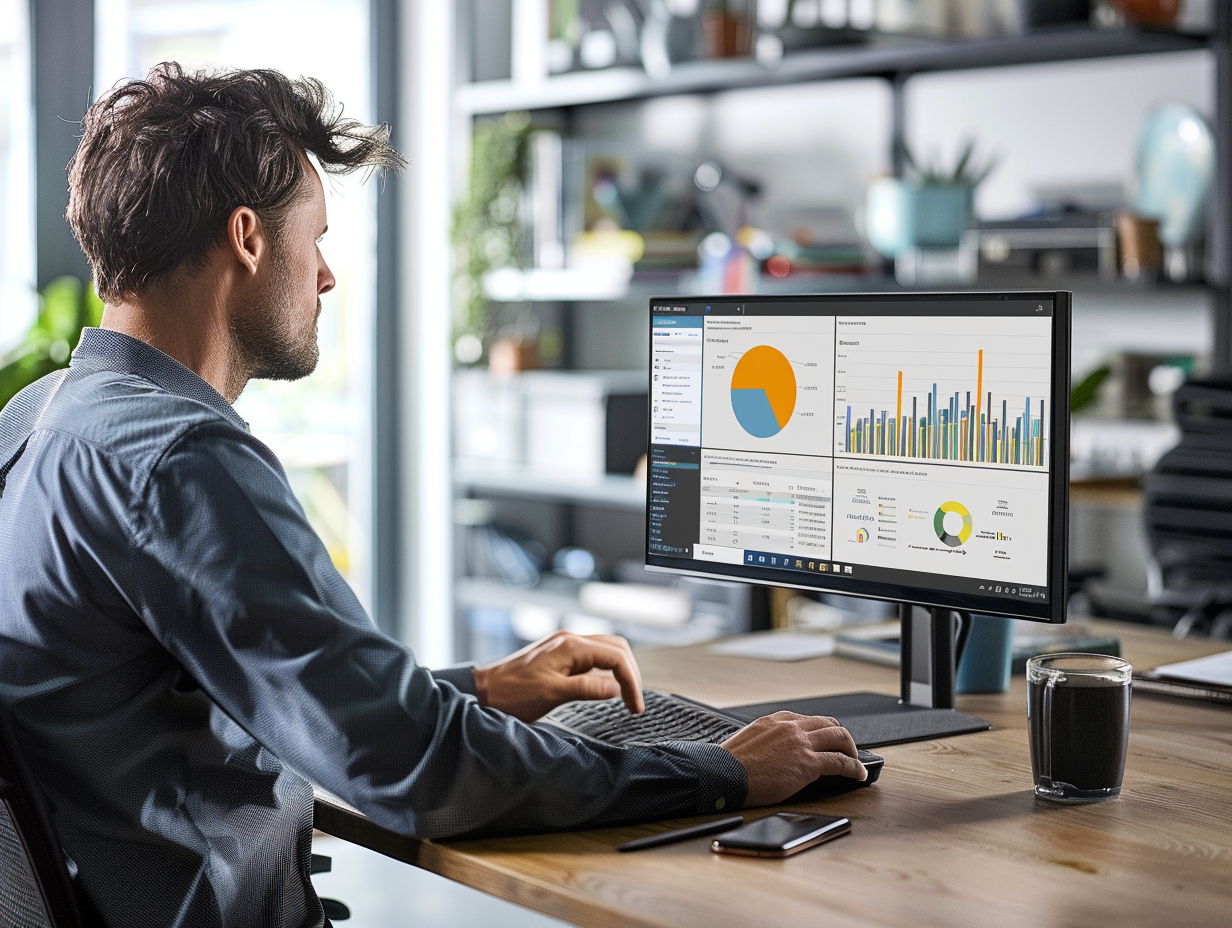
(833, 738)
(589, 686)
(587, 654)
(832, 763)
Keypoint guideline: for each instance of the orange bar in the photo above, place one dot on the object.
(979, 386)
(899, 413)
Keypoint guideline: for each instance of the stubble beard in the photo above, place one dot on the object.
(270, 341)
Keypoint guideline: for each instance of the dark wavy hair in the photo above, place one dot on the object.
(164, 161)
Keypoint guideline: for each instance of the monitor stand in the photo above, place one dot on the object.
(931, 642)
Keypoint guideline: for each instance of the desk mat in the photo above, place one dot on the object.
(873, 719)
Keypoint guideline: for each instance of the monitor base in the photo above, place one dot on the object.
(932, 642)
(873, 719)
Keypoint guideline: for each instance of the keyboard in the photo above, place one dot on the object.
(667, 718)
(673, 718)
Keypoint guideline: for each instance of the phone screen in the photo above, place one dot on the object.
(782, 833)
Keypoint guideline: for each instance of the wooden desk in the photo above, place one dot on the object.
(951, 834)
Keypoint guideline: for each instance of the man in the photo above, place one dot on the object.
(178, 655)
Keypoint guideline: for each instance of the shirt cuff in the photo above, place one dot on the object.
(462, 677)
(722, 781)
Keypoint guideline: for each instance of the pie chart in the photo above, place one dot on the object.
(763, 391)
(952, 523)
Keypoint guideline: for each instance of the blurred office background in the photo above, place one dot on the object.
(607, 151)
(469, 448)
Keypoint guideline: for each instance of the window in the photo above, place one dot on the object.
(319, 427)
(18, 304)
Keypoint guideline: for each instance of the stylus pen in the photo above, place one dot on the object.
(682, 834)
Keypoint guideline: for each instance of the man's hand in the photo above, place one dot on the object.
(560, 668)
(784, 752)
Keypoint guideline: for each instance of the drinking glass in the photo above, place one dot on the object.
(1078, 724)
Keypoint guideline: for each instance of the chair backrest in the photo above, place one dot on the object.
(35, 888)
(1188, 494)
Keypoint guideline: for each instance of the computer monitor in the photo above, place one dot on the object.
(910, 447)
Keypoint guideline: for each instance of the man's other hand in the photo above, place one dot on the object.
(784, 752)
(561, 668)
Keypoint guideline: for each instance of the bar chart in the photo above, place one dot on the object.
(944, 396)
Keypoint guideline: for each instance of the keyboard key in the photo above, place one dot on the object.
(666, 718)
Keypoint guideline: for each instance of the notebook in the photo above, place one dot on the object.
(1206, 678)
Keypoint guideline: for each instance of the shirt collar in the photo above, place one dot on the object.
(107, 350)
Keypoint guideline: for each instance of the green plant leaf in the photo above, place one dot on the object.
(486, 229)
(1086, 392)
(968, 171)
(60, 313)
(964, 158)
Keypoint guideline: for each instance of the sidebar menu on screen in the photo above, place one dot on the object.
(676, 381)
(675, 433)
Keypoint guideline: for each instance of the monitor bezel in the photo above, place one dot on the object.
(1054, 610)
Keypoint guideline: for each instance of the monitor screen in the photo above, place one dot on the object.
(908, 447)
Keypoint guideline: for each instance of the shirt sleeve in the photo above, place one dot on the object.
(462, 677)
(230, 577)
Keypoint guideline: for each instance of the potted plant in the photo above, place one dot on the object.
(487, 229)
(941, 201)
(930, 208)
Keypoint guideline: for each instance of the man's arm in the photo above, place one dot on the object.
(780, 753)
(228, 575)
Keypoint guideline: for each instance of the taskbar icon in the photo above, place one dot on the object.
(794, 562)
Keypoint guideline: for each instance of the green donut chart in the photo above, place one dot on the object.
(952, 531)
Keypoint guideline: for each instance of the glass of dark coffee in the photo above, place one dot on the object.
(1078, 722)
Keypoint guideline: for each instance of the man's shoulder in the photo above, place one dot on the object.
(122, 416)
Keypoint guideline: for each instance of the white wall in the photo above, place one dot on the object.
(1054, 124)
(812, 145)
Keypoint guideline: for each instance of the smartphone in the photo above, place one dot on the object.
(781, 834)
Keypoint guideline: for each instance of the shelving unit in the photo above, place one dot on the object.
(886, 57)
(614, 491)
(896, 60)
(560, 98)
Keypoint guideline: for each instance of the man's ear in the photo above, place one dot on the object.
(246, 237)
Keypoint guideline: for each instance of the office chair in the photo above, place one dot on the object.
(35, 888)
(1187, 509)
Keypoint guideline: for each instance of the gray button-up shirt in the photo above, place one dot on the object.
(180, 660)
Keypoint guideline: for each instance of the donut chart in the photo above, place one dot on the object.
(952, 523)
(763, 391)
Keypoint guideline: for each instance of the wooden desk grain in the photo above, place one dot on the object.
(951, 835)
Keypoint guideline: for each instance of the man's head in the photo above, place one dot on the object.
(178, 166)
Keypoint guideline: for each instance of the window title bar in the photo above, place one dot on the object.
(880, 305)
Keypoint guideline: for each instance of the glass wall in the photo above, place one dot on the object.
(319, 427)
(18, 304)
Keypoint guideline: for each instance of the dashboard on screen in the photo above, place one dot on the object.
(909, 447)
